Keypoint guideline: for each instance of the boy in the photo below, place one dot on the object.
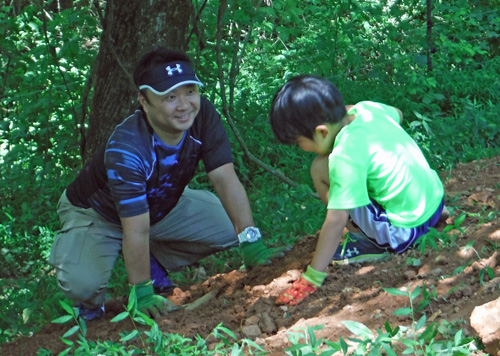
(369, 172)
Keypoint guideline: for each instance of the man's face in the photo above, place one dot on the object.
(173, 113)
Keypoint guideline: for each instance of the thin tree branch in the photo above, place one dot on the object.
(52, 53)
(195, 22)
(83, 117)
(225, 110)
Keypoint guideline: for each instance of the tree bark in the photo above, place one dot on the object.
(130, 29)
(430, 48)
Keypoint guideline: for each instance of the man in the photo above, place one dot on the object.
(133, 195)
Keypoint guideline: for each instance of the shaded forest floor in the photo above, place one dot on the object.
(244, 300)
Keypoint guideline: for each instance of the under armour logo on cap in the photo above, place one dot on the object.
(171, 70)
(168, 76)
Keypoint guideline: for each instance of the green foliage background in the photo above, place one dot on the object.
(370, 50)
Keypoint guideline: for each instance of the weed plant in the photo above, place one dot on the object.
(147, 338)
(420, 338)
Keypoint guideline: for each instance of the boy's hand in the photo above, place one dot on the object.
(298, 292)
(256, 253)
(152, 304)
(308, 283)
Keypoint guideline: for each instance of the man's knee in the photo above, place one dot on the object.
(81, 289)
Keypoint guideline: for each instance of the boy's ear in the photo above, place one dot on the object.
(322, 130)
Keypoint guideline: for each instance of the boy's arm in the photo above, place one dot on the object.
(313, 277)
(329, 238)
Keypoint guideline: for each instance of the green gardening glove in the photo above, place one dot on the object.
(256, 253)
(313, 276)
(150, 303)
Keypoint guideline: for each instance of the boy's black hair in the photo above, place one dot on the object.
(303, 103)
(157, 56)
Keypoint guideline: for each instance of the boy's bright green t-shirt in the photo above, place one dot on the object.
(373, 157)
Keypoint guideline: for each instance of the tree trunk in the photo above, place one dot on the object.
(430, 48)
(130, 29)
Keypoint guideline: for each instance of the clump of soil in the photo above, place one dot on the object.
(244, 301)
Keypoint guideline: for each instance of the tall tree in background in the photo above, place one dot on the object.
(130, 29)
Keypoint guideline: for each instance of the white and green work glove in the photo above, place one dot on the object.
(150, 303)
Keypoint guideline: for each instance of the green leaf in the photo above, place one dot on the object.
(429, 333)
(459, 220)
(120, 317)
(132, 300)
(344, 345)
(421, 322)
(65, 352)
(71, 331)
(131, 335)
(359, 329)
(336, 346)
(415, 293)
(63, 319)
(67, 308)
(402, 311)
(66, 341)
(395, 291)
(83, 326)
(388, 350)
(458, 337)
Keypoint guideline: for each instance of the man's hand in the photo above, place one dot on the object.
(256, 253)
(308, 283)
(152, 304)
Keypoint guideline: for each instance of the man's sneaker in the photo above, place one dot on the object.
(88, 314)
(358, 249)
(161, 283)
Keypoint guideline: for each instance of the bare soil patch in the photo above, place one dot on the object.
(353, 292)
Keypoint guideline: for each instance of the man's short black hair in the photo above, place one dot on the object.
(303, 103)
(157, 56)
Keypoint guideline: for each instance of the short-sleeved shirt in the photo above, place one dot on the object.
(373, 157)
(135, 172)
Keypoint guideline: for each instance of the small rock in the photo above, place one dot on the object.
(436, 272)
(410, 274)
(253, 320)
(424, 270)
(441, 260)
(267, 324)
(251, 331)
(485, 319)
(212, 346)
(377, 314)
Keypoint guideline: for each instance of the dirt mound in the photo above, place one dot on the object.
(244, 300)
